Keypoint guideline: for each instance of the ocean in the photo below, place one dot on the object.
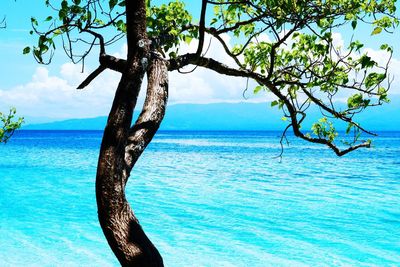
(205, 199)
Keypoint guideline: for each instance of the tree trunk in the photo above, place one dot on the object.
(122, 144)
(120, 149)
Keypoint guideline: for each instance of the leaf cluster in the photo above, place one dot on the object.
(168, 26)
(292, 44)
(9, 125)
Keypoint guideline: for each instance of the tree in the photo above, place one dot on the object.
(285, 46)
(9, 125)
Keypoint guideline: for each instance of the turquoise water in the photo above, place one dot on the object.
(205, 199)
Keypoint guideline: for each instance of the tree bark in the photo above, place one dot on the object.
(122, 144)
(120, 149)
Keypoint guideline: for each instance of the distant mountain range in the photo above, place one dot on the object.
(235, 117)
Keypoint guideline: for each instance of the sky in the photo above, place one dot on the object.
(47, 92)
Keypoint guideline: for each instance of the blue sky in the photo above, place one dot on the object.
(43, 93)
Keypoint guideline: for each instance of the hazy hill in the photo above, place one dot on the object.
(232, 116)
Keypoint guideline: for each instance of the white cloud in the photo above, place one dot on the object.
(337, 40)
(72, 73)
(56, 96)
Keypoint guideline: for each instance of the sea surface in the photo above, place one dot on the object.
(205, 199)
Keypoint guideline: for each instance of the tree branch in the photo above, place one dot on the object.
(152, 113)
(209, 63)
(106, 62)
(202, 27)
(113, 63)
(91, 77)
(334, 112)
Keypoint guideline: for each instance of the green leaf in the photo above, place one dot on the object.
(354, 24)
(64, 4)
(112, 3)
(377, 30)
(188, 39)
(383, 96)
(26, 50)
(258, 88)
(57, 32)
(355, 100)
(348, 129)
(274, 103)
(366, 62)
(34, 21)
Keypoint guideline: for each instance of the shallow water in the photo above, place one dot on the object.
(205, 199)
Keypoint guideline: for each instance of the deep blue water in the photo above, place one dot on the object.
(205, 199)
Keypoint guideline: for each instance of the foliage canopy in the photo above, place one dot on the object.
(287, 47)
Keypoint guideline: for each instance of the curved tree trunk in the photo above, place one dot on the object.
(122, 144)
(121, 148)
